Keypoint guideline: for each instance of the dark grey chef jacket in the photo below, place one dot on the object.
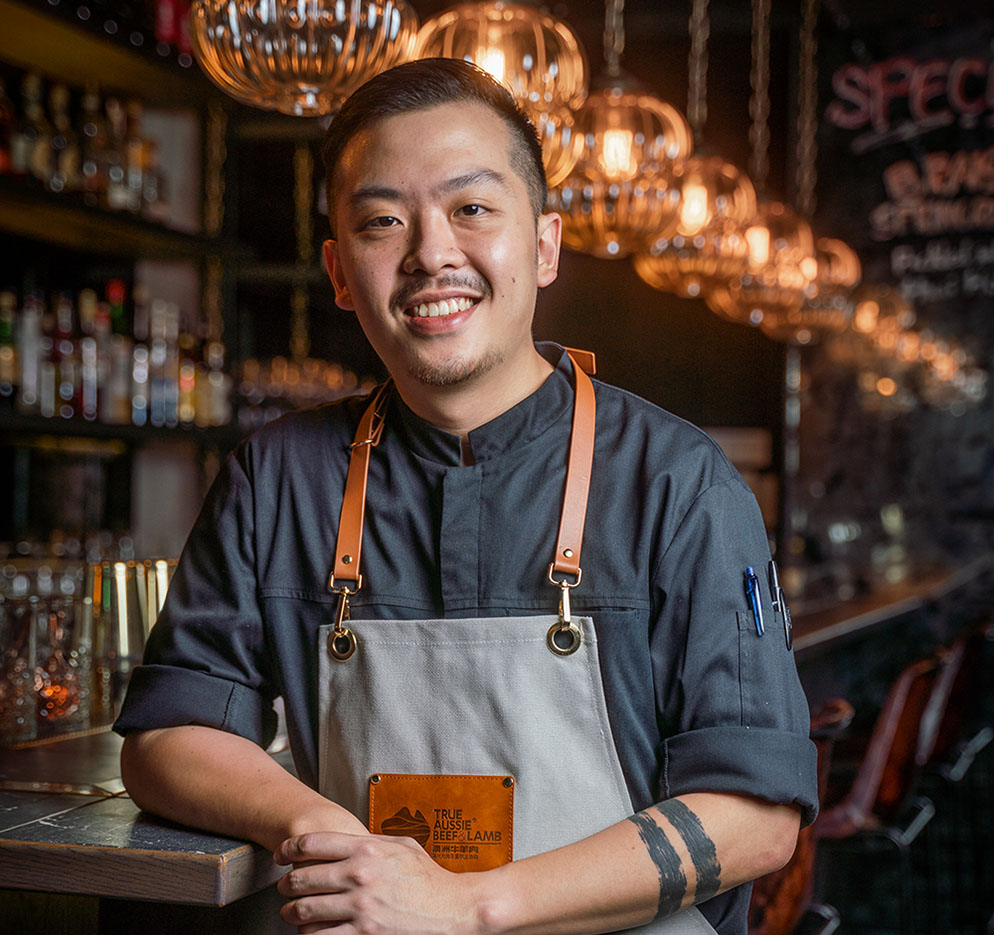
(697, 701)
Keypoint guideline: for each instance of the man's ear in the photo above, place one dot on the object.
(343, 299)
(550, 231)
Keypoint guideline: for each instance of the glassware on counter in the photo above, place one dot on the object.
(70, 634)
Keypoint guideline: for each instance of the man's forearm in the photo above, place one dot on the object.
(656, 863)
(221, 782)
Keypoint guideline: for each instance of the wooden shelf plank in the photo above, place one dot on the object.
(38, 430)
(32, 39)
(62, 221)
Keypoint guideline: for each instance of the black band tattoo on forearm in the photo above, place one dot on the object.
(701, 847)
(672, 879)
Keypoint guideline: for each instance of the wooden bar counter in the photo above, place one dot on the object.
(68, 827)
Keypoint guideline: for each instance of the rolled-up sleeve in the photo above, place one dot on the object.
(205, 661)
(734, 715)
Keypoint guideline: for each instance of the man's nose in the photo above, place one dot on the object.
(433, 247)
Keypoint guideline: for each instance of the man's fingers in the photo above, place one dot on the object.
(316, 845)
(311, 879)
(316, 911)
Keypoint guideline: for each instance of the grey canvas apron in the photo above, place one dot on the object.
(513, 697)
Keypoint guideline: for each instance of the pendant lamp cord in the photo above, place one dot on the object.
(614, 35)
(807, 111)
(759, 100)
(697, 69)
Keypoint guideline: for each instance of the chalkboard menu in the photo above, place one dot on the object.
(906, 160)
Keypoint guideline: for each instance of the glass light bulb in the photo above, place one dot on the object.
(694, 210)
(491, 60)
(616, 154)
(758, 238)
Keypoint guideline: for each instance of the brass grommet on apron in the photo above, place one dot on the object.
(563, 639)
(341, 644)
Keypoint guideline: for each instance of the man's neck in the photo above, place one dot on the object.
(466, 406)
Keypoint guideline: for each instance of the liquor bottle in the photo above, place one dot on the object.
(155, 195)
(116, 295)
(87, 310)
(65, 144)
(89, 377)
(94, 148)
(116, 195)
(31, 147)
(8, 349)
(171, 368)
(219, 385)
(139, 385)
(186, 401)
(183, 41)
(139, 355)
(29, 338)
(157, 363)
(8, 118)
(167, 21)
(118, 389)
(134, 156)
(102, 335)
(140, 320)
(65, 357)
(163, 364)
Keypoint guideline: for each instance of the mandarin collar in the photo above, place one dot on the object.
(519, 425)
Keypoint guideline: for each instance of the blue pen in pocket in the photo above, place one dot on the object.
(755, 600)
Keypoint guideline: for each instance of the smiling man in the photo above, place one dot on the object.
(512, 614)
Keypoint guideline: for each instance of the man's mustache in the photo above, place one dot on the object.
(475, 284)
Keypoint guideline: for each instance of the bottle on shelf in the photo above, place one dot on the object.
(115, 398)
(155, 193)
(65, 358)
(172, 24)
(116, 193)
(163, 364)
(87, 358)
(65, 144)
(186, 399)
(8, 119)
(8, 349)
(29, 354)
(94, 147)
(134, 156)
(117, 293)
(31, 145)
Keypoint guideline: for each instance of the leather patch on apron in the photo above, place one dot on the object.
(464, 822)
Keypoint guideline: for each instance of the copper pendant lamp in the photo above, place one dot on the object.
(300, 57)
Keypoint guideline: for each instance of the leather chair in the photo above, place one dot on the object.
(880, 806)
(781, 901)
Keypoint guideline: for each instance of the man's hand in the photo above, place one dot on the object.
(372, 883)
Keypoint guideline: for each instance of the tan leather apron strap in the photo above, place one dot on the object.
(564, 571)
(346, 575)
(566, 559)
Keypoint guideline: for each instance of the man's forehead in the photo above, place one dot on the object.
(472, 123)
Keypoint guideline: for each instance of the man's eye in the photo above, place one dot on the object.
(472, 211)
(380, 223)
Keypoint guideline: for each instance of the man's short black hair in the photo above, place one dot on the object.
(431, 82)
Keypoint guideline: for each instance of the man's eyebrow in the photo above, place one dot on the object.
(478, 176)
(374, 191)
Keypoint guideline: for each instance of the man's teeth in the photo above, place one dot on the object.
(441, 309)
